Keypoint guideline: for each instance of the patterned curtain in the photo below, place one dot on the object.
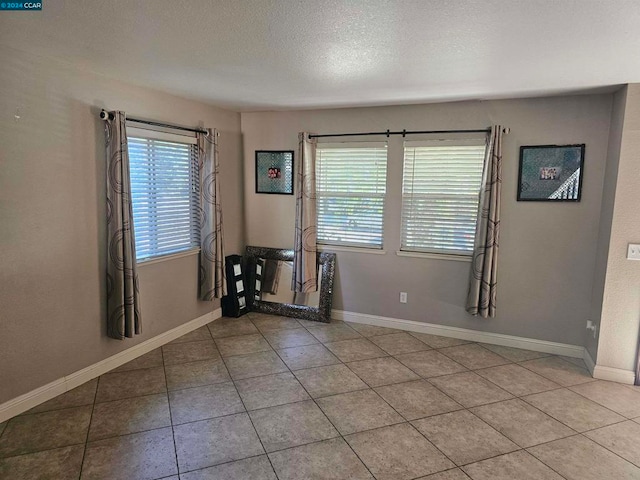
(484, 268)
(123, 306)
(305, 266)
(212, 279)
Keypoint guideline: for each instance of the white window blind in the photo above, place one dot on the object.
(165, 194)
(350, 187)
(440, 193)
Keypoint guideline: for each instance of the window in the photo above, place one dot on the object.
(350, 187)
(165, 194)
(440, 193)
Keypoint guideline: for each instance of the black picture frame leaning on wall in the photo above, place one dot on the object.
(274, 172)
(235, 302)
(551, 173)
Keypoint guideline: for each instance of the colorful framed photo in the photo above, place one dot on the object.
(274, 171)
(551, 173)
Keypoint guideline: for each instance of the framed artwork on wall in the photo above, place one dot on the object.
(551, 173)
(274, 171)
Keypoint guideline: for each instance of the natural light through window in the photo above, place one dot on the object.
(440, 193)
(351, 186)
(165, 194)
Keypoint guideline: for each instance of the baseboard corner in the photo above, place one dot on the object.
(26, 401)
(611, 374)
(588, 361)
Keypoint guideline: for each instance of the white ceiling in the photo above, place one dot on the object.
(282, 54)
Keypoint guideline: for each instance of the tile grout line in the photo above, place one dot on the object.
(608, 449)
(524, 450)
(426, 380)
(245, 407)
(563, 423)
(489, 425)
(597, 403)
(558, 387)
(86, 442)
(390, 406)
(25, 414)
(507, 361)
(575, 434)
(311, 398)
(219, 464)
(419, 432)
(316, 403)
(301, 345)
(173, 433)
(513, 441)
(542, 461)
(43, 450)
(146, 430)
(406, 421)
(604, 426)
(340, 362)
(467, 409)
(325, 416)
(590, 380)
(409, 421)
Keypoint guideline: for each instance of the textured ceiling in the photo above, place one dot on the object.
(270, 54)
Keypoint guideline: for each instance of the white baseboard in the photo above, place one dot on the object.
(35, 397)
(614, 374)
(567, 350)
(591, 365)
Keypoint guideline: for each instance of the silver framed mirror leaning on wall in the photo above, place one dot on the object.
(269, 271)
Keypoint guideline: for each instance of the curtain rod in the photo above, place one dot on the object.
(403, 133)
(104, 115)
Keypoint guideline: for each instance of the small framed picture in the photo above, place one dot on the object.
(551, 173)
(274, 171)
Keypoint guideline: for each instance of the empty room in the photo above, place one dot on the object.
(320, 240)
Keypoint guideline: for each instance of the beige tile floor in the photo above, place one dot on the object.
(264, 398)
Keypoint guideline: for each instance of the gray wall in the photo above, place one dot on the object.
(52, 232)
(547, 254)
(606, 216)
(620, 306)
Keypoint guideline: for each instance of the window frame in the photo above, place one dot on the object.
(165, 134)
(347, 245)
(439, 253)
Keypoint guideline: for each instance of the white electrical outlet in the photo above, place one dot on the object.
(633, 251)
(403, 297)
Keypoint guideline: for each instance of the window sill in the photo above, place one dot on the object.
(437, 256)
(342, 248)
(171, 256)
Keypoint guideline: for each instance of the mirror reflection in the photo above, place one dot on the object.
(269, 273)
(273, 284)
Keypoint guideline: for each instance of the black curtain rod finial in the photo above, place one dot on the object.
(104, 115)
